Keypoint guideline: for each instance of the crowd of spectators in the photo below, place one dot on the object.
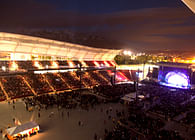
(72, 79)
(167, 135)
(137, 122)
(38, 83)
(144, 124)
(2, 95)
(165, 101)
(45, 64)
(114, 91)
(68, 100)
(88, 80)
(189, 119)
(15, 86)
(26, 65)
(62, 63)
(147, 124)
(56, 81)
(105, 74)
(23, 85)
(98, 77)
(119, 133)
(90, 63)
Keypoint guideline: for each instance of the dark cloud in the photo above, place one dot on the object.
(154, 28)
(31, 14)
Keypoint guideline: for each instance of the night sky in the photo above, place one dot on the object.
(136, 24)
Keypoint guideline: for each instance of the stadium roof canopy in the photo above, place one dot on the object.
(23, 44)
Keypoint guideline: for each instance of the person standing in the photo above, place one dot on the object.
(39, 115)
(79, 123)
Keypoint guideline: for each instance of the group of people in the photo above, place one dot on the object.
(138, 122)
(15, 86)
(38, 83)
(114, 91)
(145, 123)
(2, 96)
(68, 100)
(29, 84)
(164, 100)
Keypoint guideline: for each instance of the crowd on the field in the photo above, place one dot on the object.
(163, 105)
(114, 91)
(15, 86)
(68, 100)
(138, 122)
(166, 101)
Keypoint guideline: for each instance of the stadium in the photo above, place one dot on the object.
(50, 77)
(36, 65)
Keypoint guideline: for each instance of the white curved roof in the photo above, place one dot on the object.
(15, 43)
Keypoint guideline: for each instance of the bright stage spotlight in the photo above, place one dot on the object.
(177, 79)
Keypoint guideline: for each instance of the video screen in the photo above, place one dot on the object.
(174, 77)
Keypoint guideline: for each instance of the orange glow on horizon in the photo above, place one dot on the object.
(192, 61)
